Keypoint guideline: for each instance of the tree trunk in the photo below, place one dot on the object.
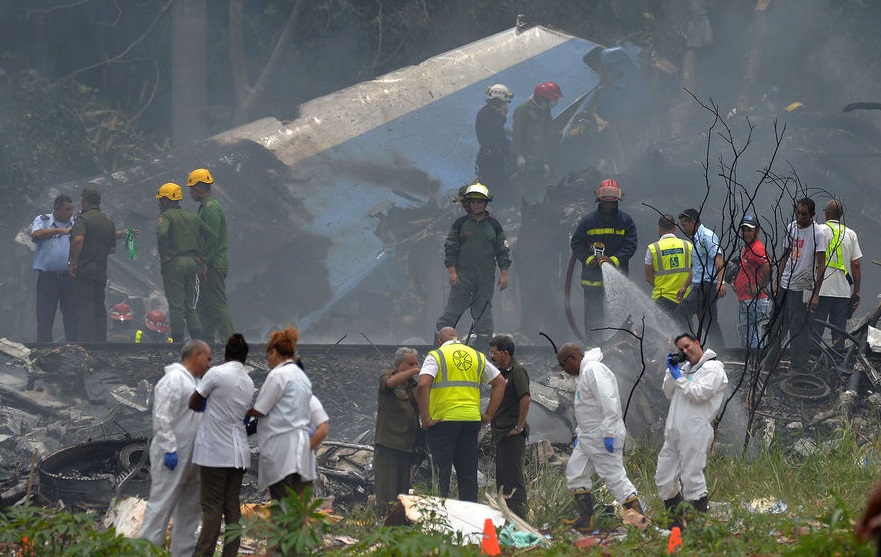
(188, 71)
(754, 59)
(246, 106)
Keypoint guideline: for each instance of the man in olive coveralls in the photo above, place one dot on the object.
(92, 239)
(183, 240)
(213, 310)
(474, 246)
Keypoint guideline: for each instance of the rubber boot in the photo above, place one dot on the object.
(584, 504)
(701, 505)
(675, 514)
(633, 503)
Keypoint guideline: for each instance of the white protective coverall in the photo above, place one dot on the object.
(173, 493)
(695, 398)
(598, 415)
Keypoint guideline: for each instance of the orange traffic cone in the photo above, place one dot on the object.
(675, 541)
(489, 545)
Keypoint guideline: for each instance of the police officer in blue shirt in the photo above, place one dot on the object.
(51, 236)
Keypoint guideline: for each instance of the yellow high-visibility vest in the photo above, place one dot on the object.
(671, 262)
(455, 392)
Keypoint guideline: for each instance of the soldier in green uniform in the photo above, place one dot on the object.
(474, 246)
(212, 307)
(92, 239)
(183, 240)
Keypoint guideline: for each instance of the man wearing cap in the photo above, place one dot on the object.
(50, 233)
(800, 273)
(92, 239)
(495, 147)
(840, 293)
(213, 310)
(183, 240)
(475, 245)
(753, 275)
(707, 278)
(607, 235)
(668, 267)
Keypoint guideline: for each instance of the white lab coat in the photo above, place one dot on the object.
(173, 493)
(221, 441)
(695, 399)
(598, 415)
(283, 431)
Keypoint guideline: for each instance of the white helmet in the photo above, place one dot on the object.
(499, 91)
(478, 191)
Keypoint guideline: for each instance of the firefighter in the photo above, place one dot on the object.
(474, 246)
(607, 235)
(183, 240)
(213, 310)
(534, 141)
(495, 147)
(155, 328)
(121, 317)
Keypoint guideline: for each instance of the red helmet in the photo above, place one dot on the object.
(121, 312)
(549, 90)
(156, 321)
(609, 190)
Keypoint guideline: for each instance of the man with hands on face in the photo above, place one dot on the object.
(696, 390)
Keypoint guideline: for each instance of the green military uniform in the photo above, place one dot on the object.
(395, 440)
(213, 310)
(99, 240)
(183, 240)
(535, 136)
(474, 247)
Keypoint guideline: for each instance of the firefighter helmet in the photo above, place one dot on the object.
(156, 321)
(171, 191)
(478, 191)
(499, 91)
(121, 312)
(549, 90)
(200, 175)
(609, 190)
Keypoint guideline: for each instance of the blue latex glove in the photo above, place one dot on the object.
(674, 368)
(204, 404)
(574, 441)
(171, 460)
(609, 442)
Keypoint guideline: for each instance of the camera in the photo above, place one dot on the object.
(677, 358)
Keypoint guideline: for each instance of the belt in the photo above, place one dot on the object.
(54, 273)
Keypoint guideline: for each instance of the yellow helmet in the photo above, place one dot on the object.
(200, 175)
(478, 191)
(170, 190)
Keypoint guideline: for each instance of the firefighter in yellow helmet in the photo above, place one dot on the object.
(212, 307)
(183, 240)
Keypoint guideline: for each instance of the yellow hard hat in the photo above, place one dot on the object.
(170, 190)
(200, 175)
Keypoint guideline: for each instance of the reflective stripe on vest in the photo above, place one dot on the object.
(671, 262)
(455, 391)
(835, 244)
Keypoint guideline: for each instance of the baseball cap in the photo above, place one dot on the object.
(749, 221)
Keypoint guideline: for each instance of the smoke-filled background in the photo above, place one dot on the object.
(92, 87)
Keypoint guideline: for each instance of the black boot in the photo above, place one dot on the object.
(633, 503)
(584, 504)
(701, 505)
(675, 514)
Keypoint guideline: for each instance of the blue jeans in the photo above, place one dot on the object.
(753, 317)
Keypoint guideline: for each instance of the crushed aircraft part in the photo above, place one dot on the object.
(88, 474)
(451, 515)
(346, 471)
(805, 386)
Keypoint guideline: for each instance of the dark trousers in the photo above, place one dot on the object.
(833, 310)
(54, 290)
(510, 454)
(179, 281)
(594, 310)
(391, 469)
(279, 490)
(220, 498)
(790, 315)
(454, 444)
(701, 303)
(214, 314)
(90, 308)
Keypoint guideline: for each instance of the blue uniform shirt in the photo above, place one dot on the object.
(706, 246)
(51, 253)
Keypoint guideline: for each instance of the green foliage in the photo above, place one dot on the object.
(296, 527)
(34, 531)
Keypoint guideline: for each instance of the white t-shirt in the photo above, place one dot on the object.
(221, 441)
(283, 431)
(835, 283)
(804, 243)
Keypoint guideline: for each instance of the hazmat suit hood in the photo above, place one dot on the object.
(594, 355)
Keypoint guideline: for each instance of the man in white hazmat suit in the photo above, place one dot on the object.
(174, 487)
(600, 431)
(695, 392)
